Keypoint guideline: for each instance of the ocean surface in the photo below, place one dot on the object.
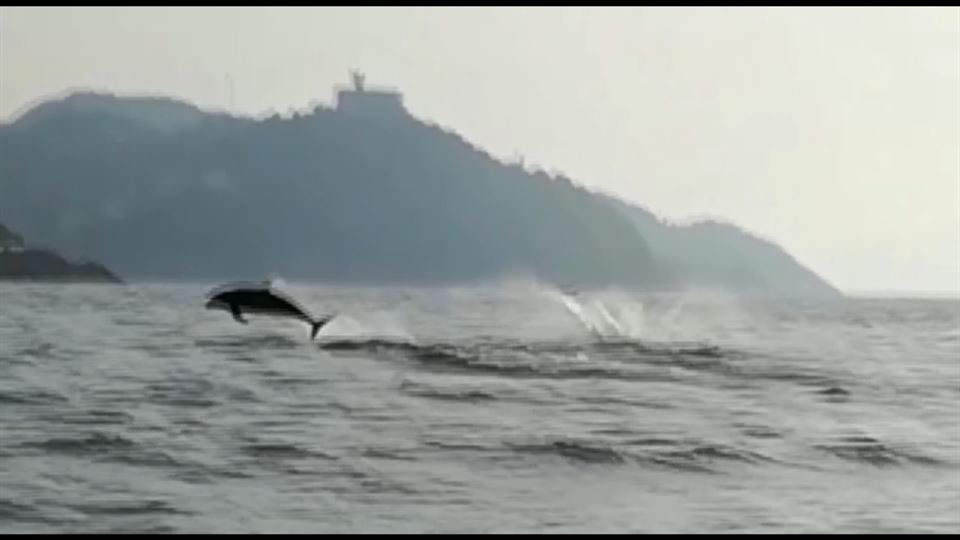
(505, 408)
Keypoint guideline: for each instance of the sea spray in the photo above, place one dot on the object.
(608, 314)
(377, 325)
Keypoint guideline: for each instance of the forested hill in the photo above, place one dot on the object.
(362, 192)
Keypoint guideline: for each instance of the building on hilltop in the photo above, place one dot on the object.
(361, 100)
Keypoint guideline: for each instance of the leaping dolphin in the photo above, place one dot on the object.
(261, 299)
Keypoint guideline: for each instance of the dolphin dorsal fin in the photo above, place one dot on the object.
(237, 314)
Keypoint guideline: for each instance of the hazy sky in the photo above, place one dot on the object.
(835, 132)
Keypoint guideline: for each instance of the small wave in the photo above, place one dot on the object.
(209, 475)
(142, 457)
(453, 395)
(610, 400)
(197, 402)
(443, 445)
(93, 416)
(653, 441)
(387, 453)
(182, 393)
(15, 511)
(659, 453)
(715, 452)
(834, 391)
(31, 398)
(281, 450)
(708, 351)
(94, 443)
(761, 432)
(105, 448)
(497, 360)
(371, 345)
(538, 371)
(271, 342)
(157, 528)
(129, 508)
(834, 394)
(620, 359)
(654, 348)
(247, 359)
(381, 485)
(576, 451)
(126, 321)
(571, 348)
(41, 351)
(162, 350)
(868, 450)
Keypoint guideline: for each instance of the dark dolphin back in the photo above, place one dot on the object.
(282, 300)
(238, 286)
(259, 297)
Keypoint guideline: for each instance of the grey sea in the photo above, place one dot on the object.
(512, 407)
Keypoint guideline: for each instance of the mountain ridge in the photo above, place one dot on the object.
(20, 262)
(422, 204)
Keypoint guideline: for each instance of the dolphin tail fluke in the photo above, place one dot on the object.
(317, 325)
